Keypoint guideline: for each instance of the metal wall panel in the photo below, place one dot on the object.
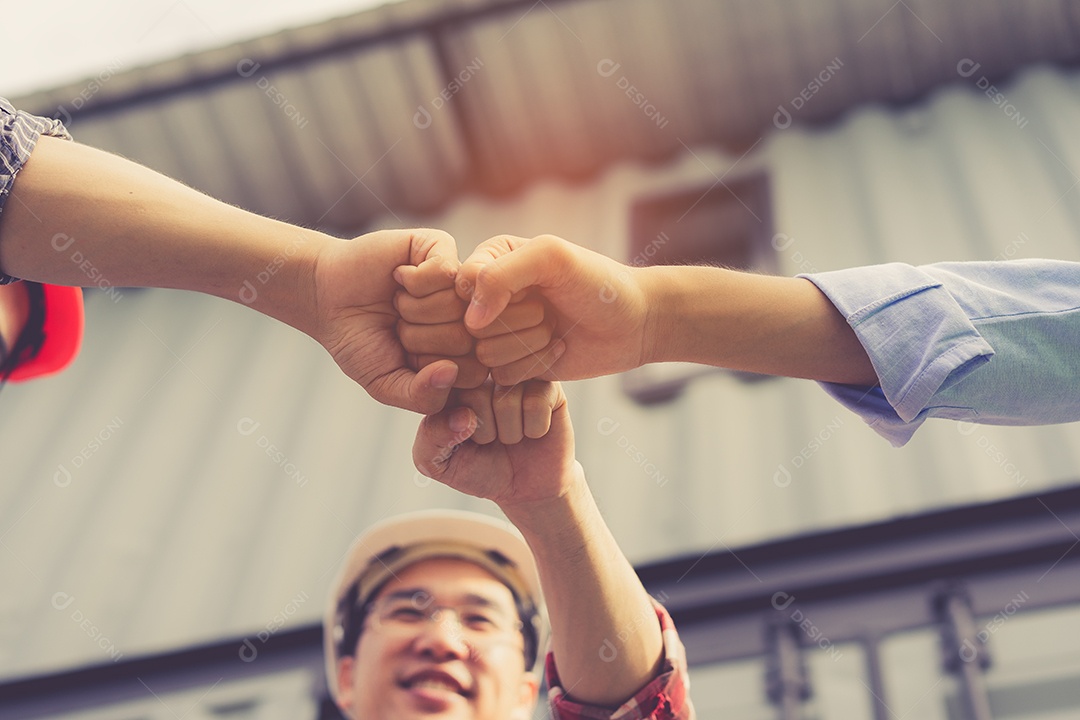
(408, 106)
(175, 527)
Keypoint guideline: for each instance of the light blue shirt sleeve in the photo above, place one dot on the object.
(988, 342)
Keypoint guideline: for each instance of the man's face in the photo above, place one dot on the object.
(414, 660)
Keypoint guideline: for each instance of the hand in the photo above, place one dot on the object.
(514, 445)
(357, 321)
(591, 591)
(433, 328)
(432, 325)
(598, 306)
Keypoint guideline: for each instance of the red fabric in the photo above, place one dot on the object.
(666, 697)
(63, 334)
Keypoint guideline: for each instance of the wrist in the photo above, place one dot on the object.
(666, 313)
(278, 279)
(549, 517)
(562, 531)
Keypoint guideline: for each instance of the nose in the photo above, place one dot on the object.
(442, 637)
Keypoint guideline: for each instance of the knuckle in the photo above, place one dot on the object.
(540, 337)
(406, 333)
(485, 275)
(472, 376)
(461, 340)
(486, 354)
(470, 364)
(433, 233)
(471, 397)
(510, 437)
(484, 434)
(535, 428)
(551, 244)
(403, 303)
(503, 398)
(535, 403)
(488, 275)
(505, 375)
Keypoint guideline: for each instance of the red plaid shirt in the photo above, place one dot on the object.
(667, 697)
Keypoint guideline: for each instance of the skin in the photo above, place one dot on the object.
(377, 682)
(432, 325)
(77, 215)
(592, 592)
(14, 309)
(608, 317)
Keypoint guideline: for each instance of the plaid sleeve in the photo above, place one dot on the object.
(19, 133)
(666, 697)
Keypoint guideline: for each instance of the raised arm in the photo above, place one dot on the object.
(593, 594)
(80, 216)
(612, 317)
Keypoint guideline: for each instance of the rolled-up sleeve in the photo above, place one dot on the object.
(19, 133)
(666, 697)
(989, 342)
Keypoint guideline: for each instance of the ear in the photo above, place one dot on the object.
(528, 693)
(345, 684)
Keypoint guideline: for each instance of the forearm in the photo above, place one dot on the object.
(79, 216)
(605, 634)
(757, 323)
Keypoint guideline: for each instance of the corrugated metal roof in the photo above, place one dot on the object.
(404, 107)
(200, 469)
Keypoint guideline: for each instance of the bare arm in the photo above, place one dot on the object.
(611, 317)
(80, 216)
(72, 205)
(605, 635)
(594, 598)
(743, 321)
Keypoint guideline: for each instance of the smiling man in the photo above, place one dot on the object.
(442, 614)
(442, 618)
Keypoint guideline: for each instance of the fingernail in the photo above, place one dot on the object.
(444, 377)
(558, 350)
(474, 316)
(397, 276)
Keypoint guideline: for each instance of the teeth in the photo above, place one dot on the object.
(435, 685)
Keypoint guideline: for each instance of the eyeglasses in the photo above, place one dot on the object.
(477, 624)
(380, 614)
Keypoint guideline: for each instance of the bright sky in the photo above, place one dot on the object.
(52, 43)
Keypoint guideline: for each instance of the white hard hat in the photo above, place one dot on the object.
(398, 542)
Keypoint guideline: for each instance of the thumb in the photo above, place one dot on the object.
(429, 244)
(425, 391)
(496, 280)
(439, 436)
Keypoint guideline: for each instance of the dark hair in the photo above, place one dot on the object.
(32, 337)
